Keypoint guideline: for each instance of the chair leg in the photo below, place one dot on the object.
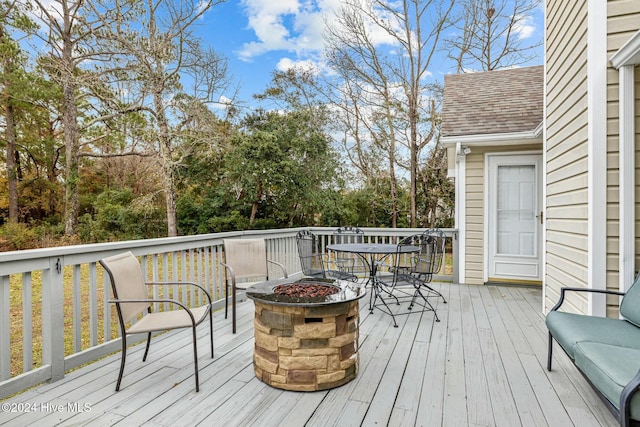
(146, 350)
(195, 357)
(426, 301)
(549, 352)
(211, 328)
(226, 299)
(233, 307)
(122, 361)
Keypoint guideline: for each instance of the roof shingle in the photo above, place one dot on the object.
(493, 102)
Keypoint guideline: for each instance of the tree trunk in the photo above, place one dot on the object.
(168, 176)
(255, 205)
(413, 163)
(12, 170)
(10, 136)
(72, 177)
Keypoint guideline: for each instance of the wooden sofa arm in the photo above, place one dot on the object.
(564, 290)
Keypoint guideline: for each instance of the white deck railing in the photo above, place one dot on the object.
(37, 285)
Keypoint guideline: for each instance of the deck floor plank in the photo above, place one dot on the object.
(499, 393)
(562, 389)
(528, 409)
(483, 364)
(432, 397)
(478, 397)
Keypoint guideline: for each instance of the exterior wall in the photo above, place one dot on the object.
(566, 148)
(474, 213)
(623, 21)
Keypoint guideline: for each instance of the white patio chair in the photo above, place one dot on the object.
(245, 264)
(131, 297)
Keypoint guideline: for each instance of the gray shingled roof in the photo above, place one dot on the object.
(502, 101)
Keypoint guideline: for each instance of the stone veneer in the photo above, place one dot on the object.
(306, 348)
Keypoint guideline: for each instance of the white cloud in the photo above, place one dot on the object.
(268, 19)
(289, 25)
(524, 27)
(305, 64)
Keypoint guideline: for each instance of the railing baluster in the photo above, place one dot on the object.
(27, 322)
(106, 284)
(5, 328)
(93, 302)
(183, 273)
(77, 314)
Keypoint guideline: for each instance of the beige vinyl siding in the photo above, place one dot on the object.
(623, 21)
(474, 214)
(566, 150)
(475, 218)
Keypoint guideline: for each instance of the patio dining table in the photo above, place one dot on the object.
(369, 252)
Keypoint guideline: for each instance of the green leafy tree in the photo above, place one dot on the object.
(281, 165)
(13, 19)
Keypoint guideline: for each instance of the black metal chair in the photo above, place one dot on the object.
(412, 273)
(312, 258)
(349, 262)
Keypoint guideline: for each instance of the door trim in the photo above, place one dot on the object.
(485, 232)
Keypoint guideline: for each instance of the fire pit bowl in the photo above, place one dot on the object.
(306, 333)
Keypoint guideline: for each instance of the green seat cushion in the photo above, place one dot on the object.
(569, 329)
(609, 368)
(630, 305)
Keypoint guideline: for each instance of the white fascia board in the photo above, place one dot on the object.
(514, 138)
(628, 54)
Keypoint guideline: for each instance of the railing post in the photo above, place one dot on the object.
(53, 318)
(455, 248)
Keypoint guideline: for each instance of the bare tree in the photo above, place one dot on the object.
(491, 34)
(385, 49)
(71, 35)
(159, 54)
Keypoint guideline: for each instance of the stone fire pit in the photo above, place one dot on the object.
(306, 333)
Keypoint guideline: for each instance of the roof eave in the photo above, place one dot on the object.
(493, 139)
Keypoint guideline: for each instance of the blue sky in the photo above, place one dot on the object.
(260, 36)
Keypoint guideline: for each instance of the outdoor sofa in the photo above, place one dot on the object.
(605, 350)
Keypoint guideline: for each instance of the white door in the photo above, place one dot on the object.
(514, 217)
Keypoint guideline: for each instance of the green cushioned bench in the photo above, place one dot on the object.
(605, 350)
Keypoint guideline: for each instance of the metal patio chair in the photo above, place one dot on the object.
(131, 297)
(312, 258)
(348, 262)
(246, 263)
(412, 273)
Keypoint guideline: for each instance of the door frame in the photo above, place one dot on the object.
(486, 213)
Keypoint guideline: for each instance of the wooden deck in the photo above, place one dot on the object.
(482, 365)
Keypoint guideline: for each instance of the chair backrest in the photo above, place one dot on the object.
(630, 305)
(127, 282)
(310, 253)
(431, 255)
(348, 234)
(428, 260)
(247, 257)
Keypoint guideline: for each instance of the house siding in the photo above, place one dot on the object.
(623, 21)
(566, 148)
(475, 206)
